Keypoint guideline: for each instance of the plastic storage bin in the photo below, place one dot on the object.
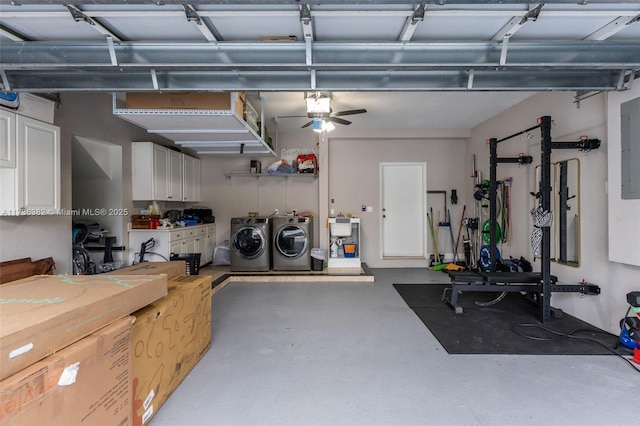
(341, 229)
(317, 259)
(350, 249)
(222, 254)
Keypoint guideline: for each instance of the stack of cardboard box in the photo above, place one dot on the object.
(169, 337)
(104, 349)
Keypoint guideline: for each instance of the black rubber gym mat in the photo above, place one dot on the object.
(488, 330)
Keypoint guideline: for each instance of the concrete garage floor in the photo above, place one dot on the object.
(353, 353)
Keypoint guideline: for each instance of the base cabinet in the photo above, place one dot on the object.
(191, 239)
(343, 232)
(209, 244)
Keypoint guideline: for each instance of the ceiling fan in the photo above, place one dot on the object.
(319, 110)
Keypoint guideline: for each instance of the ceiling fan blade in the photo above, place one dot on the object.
(339, 120)
(307, 125)
(349, 112)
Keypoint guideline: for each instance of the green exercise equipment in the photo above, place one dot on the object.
(485, 232)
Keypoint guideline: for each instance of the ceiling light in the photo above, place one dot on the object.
(318, 103)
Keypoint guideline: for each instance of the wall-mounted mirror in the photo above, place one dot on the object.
(565, 231)
(567, 186)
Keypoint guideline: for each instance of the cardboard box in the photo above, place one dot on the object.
(169, 337)
(239, 104)
(172, 269)
(42, 314)
(181, 100)
(87, 383)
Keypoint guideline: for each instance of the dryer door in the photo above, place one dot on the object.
(291, 241)
(249, 242)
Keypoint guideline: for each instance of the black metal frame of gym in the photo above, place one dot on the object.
(537, 285)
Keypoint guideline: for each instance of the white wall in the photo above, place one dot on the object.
(236, 196)
(569, 123)
(354, 180)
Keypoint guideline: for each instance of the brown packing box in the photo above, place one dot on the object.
(142, 221)
(239, 105)
(169, 337)
(185, 100)
(86, 383)
(42, 314)
(172, 269)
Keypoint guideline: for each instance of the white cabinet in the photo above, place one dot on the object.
(174, 179)
(8, 139)
(345, 232)
(191, 180)
(158, 174)
(29, 166)
(209, 244)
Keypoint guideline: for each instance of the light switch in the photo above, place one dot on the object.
(369, 209)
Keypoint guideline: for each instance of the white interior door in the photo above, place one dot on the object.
(403, 189)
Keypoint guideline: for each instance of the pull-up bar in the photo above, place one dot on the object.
(518, 134)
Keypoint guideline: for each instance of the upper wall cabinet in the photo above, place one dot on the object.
(29, 166)
(159, 173)
(210, 123)
(191, 179)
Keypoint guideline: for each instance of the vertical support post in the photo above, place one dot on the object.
(493, 169)
(545, 190)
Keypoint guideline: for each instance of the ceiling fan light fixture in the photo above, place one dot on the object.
(318, 103)
(320, 125)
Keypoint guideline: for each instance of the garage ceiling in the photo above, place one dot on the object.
(361, 51)
(337, 46)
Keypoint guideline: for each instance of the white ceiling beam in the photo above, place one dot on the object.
(612, 28)
(307, 32)
(79, 16)
(503, 51)
(5, 82)
(112, 51)
(516, 23)
(472, 12)
(193, 16)
(411, 23)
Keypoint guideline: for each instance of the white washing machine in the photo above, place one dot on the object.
(292, 241)
(250, 244)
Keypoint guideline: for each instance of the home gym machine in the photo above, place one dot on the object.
(538, 285)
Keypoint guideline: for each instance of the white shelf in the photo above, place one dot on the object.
(269, 175)
(222, 131)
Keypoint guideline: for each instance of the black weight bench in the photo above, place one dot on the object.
(530, 282)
